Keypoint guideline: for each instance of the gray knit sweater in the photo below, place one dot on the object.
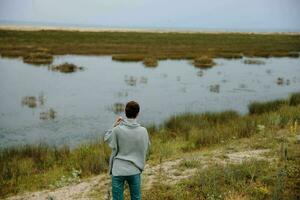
(129, 142)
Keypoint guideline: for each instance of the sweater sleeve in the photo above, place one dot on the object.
(111, 139)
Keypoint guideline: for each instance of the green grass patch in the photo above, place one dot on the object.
(171, 45)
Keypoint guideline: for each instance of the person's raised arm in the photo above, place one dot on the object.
(109, 137)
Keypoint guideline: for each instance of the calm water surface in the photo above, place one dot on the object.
(84, 100)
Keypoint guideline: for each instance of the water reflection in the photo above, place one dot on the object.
(29, 101)
(49, 114)
(118, 108)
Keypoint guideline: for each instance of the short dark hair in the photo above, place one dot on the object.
(132, 109)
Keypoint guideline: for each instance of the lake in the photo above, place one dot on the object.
(86, 102)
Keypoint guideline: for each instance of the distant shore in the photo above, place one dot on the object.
(142, 30)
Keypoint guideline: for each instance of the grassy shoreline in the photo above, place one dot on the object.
(133, 45)
(35, 167)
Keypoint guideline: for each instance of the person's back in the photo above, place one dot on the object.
(129, 142)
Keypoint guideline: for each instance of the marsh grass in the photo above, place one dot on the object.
(160, 45)
(34, 167)
(204, 62)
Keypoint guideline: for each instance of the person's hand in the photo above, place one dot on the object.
(118, 121)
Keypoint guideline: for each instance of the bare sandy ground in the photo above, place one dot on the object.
(142, 30)
(168, 172)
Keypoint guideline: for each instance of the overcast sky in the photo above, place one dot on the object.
(220, 14)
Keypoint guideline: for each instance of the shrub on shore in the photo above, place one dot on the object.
(204, 62)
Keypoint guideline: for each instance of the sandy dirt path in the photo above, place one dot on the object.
(170, 172)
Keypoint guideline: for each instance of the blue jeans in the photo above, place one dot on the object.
(134, 182)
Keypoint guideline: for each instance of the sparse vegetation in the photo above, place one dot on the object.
(204, 62)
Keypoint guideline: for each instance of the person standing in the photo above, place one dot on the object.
(130, 143)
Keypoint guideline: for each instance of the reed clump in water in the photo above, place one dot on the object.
(204, 62)
(38, 58)
(150, 62)
(66, 68)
